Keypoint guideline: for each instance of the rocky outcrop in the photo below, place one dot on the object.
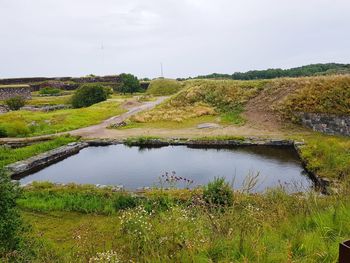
(42, 160)
(326, 123)
(3, 109)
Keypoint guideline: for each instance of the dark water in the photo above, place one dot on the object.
(135, 167)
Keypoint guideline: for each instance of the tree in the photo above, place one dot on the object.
(129, 83)
(11, 227)
(89, 94)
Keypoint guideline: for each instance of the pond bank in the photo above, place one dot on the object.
(41, 161)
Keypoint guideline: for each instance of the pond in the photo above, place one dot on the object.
(136, 167)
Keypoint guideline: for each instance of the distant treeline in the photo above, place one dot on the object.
(304, 71)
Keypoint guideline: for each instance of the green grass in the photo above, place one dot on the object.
(85, 199)
(14, 86)
(8, 155)
(162, 87)
(327, 156)
(232, 117)
(269, 227)
(49, 100)
(187, 123)
(26, 123)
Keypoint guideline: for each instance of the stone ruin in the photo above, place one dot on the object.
(13, 91)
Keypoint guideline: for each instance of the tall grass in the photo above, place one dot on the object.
(85, 199)
(172, 227)
(327, 156)
(329, 94)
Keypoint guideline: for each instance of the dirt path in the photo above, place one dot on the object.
(99, 130)
(95, 131)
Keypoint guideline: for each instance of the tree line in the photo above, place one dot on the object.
(304, 71)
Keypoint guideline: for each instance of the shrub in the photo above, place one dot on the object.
(3, 132)
(15, 103)
(50, 91)
(10, 222)
(17, 128)
(218, 193)
(128, 83)
(89, 94)
(164, 87)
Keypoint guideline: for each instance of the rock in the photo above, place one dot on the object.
(117, 124)
(45, 159)
(208, 126)
(3, 109)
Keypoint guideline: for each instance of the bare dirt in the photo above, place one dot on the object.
(260, 112)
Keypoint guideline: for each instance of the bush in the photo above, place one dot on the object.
(129, 84)
(3, 132)
(89, 94)
(17, 128)
(164, 87)
(10, 222)
(218, 193)
(15, 103)
(50, 91)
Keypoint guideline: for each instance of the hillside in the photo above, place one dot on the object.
(266, 103)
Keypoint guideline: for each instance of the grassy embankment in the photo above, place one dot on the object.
(317, 94)
(27, 123)
(199, 101)
(8, 155)
(223, 101)
(164, 87)
(180, 226)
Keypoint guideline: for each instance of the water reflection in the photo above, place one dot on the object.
(136, 167)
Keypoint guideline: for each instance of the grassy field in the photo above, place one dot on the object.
(8, 155)
(27, 123)
(49, 100)
(76, 223)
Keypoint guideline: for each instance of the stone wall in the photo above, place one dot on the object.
(65, 83)
(6, 93)
(326, 123)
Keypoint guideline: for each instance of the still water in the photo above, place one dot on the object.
(135, 167)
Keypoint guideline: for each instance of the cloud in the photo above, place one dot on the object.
(190, 37)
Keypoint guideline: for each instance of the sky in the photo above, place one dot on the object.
(189, 37)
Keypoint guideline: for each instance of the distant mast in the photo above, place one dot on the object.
(161, 70)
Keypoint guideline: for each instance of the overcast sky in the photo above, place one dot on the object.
(190, 37)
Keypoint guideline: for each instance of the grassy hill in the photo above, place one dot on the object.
(162, 87)
(279, 98)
